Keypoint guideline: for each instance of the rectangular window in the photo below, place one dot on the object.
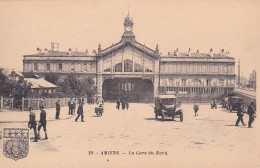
(36, 66)
(48, 66)
(60, 67)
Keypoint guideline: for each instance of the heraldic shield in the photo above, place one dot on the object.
(15, 143)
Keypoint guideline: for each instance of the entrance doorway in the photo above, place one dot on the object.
(131, 89)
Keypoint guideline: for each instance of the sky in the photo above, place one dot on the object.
(198, 24)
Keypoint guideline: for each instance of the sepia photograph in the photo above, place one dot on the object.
(129, 84)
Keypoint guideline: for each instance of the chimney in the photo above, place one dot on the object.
(211, 52)
(70, 51)
(99, 48)
(169, 53)
(189, 52)
(222, 52)
(198, 51)
(177, 52)
(39, 51)
(94, 52)
(45, 51)
(86, 51)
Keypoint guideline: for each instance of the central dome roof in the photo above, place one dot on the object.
(128, 20)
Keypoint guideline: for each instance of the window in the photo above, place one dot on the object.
(60, 67)
(72, 67)
(127, 86)
(117, 63)
(48, 66)
(128, 65)
(36, 66)
(107, 65)
(85, 67)
(148, 66)
(183, 82)
(138, 64)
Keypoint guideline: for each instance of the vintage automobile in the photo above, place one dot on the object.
(234, 103)
(99, 110)
(165, 106)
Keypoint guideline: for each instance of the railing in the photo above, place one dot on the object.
(48, 102)
(6, 104)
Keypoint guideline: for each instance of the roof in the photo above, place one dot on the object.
(196, 54)
(167, 96)
(39, 83)
(123, 43)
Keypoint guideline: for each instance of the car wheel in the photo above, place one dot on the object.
(173, 117)
(181, 117)
(163, 117)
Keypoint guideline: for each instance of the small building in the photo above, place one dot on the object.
(41, 86)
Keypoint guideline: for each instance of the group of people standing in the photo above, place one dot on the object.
(32, 124)
(123, 102)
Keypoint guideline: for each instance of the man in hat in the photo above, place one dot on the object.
(32, 124)
(42, 123)
(58, 110)
(80, 112)
(240, 114)
(196, 108)
(252, 114)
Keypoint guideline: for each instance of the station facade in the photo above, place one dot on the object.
(138, 73)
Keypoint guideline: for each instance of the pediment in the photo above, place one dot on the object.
(128, 45)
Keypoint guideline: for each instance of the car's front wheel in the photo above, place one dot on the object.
(163, 117)
(181, 117)
(156, 116)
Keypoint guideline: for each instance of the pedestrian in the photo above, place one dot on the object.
(42, 123)
(196, 108)
(32, 124)
(240, 114)
(58, 110)
(118, 104)
(74, 106)
(252, 114)
(123, 104)
(42, 103)
(80, 112)
(70, 106)
(126, 104)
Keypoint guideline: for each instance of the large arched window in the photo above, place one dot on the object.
(195, 82)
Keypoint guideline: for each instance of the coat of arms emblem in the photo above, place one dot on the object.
(15, 143)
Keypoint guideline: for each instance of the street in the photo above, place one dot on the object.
(133, 138)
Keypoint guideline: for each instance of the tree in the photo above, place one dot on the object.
(52, 78)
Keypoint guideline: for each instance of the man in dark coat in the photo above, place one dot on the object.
(196, 108)
(32, 124)
(252, 114)
(42, 123)
(58, 110)
(123, 104)
(127, 104)
(240, 114)
(80, 112)
(70, 104)
(118, 104)
(74, 106)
